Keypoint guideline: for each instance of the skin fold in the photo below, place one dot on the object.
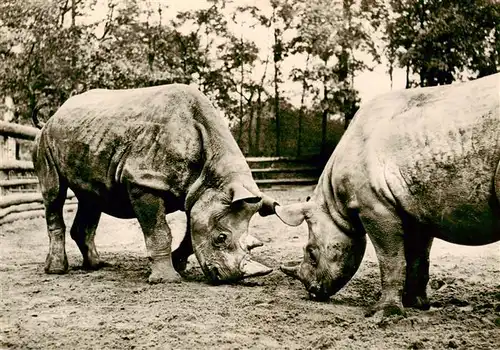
(144, 153)
(414, 165)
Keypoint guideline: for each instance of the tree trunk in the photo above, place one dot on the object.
(302, 107)
(276, 96)
(74, 89)
(251, 114)
(407, 86)
(299, 132)
(324, 119)
(240, 131)
(325, 114)
(73, 13)
(258, 123)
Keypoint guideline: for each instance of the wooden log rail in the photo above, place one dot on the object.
(17, 131)
(24, 209)
(16, 165)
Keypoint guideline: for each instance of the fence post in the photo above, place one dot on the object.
(8, 144)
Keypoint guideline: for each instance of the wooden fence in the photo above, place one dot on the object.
(20, 196)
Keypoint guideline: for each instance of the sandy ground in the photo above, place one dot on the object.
(115, 307)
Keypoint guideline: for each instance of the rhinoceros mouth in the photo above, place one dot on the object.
(213, 274)
(218, 277)
(319, 296)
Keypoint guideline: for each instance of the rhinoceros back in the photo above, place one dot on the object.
(437, 150)
(149, 137)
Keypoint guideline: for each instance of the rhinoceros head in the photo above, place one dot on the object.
(331, 257)
(219, 221)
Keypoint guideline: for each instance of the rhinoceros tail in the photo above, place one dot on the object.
(34, 117)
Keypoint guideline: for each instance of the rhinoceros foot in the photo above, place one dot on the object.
(416, 301)
(94, 265)
(179, 264)
(56, 264)
(163, 272)
(386, 310)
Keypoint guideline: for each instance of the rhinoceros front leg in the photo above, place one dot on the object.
(83, 232)
(385, 231)
(150, 211)
(181, 254)
(417, 250)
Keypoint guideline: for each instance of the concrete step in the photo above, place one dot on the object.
(286, 173)
(292, 181)
(282, 162)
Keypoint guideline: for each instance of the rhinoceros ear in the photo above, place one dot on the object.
(292, 214)
(240, 193)
(268, 206)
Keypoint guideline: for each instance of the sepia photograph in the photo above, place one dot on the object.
(250, 174)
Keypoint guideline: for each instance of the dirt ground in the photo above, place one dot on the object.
(115, 307)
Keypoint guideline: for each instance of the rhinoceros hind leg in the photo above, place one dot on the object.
(54, 196)
(83, 233)
(181, 254)
(384, 228)
(417, 250)
(149, 209)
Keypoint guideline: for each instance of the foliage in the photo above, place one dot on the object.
(53, 49)
(441, 40)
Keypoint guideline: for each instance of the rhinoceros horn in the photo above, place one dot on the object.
(251, 268)
(268, 206)
(292, 271)
(250, 242)
(293, 214)
(240, 193)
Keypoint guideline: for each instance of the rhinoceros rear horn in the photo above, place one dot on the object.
(268, 206)
(250, 242)
(240, 193)
(292, 214)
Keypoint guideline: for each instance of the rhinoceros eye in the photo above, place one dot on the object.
(220, 239)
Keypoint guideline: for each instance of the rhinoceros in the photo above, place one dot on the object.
(143, 153)
(413, 165)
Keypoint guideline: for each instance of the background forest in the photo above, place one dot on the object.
(281, 71)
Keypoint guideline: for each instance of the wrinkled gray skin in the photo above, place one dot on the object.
(143, 153)
(413, 165)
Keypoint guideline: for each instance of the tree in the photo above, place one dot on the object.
(303, 75)
(440, 40)
(43, 58)
(283, 14)
(330, 34)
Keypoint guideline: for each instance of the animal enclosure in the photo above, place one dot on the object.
(115, 307)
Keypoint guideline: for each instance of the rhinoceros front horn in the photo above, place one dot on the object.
(251, 268)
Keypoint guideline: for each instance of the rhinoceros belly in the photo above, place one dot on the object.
(114, 201)
(456, 205)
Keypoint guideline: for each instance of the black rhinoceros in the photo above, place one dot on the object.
(413, 165)
(144, 153)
